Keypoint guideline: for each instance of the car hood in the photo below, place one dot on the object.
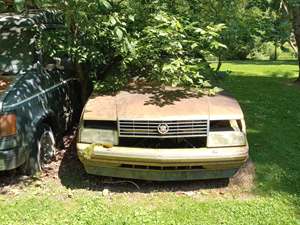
(161, 104)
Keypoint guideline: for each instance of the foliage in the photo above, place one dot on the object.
(242, 24)
(293, 9)
(166, 40)
(266, 51)
(172, 49)
(96, 31)
(249, 24)
(112, 83)
(241, 35)
(166, 44)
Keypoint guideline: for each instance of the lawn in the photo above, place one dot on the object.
(270, 102)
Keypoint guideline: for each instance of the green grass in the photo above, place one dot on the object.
(166, 209)
(270, 102)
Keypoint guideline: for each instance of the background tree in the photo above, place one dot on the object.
(291, 8)
(294, 10)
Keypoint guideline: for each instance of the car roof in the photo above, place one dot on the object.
(49, 18)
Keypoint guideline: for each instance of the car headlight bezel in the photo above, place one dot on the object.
(227, 133)
(98, 132)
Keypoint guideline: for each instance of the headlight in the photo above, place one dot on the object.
(227, 133)
(98, 132)
(8, 125)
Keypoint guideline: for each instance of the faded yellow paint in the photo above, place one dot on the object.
(216, 158)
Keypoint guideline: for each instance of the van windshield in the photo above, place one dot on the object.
(17, 50)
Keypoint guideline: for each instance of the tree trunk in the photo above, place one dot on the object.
(296, 26)
(219, 64)
(83, 79)
(80, 73)
(298, 79)
(275, 52)
(293, 46)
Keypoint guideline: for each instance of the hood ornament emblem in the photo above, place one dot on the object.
(163, 128)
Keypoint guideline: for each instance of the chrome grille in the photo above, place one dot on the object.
(149, 128)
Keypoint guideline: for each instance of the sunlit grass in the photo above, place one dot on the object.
(150, 210)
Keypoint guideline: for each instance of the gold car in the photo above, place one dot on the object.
(163, 134)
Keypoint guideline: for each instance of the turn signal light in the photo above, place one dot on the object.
(8, 125)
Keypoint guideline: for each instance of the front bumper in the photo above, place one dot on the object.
(11, 159)
(162, 164)
(11, 156)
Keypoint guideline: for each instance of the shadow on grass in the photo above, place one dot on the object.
(285, 75)
(265, 62)
(13, 178)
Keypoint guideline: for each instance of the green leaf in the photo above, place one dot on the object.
(112, 20)
(119, 33)
(105, 3)
(19, 5)
(195, 45)
(131, 17)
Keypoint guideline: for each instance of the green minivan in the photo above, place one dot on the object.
(39, 95)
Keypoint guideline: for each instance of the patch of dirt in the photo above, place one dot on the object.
(67, 152)
(66, 170)
(297, 82)
(294, 83)
(12, 182)
(244, 178)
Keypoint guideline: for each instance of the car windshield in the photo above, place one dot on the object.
(16, 50)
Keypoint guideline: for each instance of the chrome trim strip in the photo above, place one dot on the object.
(177, 128)
(43, 92)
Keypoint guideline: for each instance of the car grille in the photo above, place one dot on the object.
(163, 129)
